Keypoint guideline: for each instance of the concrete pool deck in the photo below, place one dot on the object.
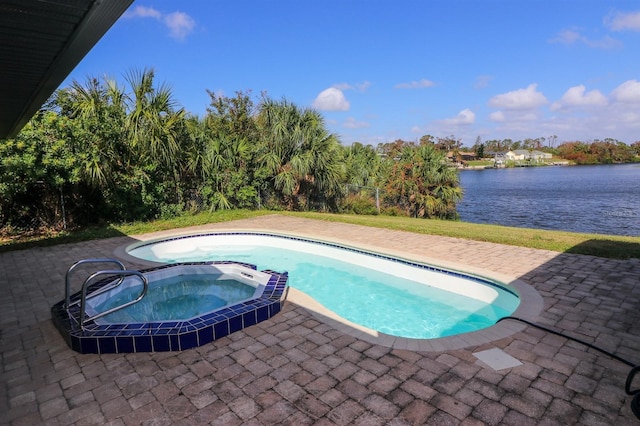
(297, 369)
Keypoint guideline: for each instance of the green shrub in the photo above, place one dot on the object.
(360, 204)
(393, 211)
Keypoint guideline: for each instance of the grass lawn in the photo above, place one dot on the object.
(609, 246)
(483, 163)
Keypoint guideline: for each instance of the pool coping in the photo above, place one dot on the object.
(530, 307)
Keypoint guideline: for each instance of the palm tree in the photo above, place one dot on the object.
(302, 158)
(97, 110)
(362, 164)
(422, 184)
(153, 120)
(154, 125)
(226, 158)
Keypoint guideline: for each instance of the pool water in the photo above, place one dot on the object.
(174, 298)
(390, 303)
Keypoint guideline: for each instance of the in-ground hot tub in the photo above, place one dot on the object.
(179, 293)
(186, 305)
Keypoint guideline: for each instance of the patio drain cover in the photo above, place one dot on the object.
(497, 359)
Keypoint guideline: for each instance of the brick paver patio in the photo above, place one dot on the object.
(295, 369)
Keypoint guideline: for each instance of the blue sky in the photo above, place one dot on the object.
(385, 70)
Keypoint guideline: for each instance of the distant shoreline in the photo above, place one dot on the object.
(557, 163)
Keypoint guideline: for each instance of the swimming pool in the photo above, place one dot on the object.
(388, 295)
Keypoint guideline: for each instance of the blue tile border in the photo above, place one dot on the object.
(169, 335)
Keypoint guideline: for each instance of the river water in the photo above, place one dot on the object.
(602, 199)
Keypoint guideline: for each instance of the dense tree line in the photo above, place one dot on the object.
(99, 151)
(607, 151)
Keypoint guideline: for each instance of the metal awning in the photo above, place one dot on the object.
(41, 42)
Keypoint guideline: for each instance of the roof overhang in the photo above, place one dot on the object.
(41, 42)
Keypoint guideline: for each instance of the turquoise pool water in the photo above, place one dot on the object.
(175, 298)
(358, 290)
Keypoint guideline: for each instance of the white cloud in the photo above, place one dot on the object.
(628, 92)
(607, 42)
(577, 96)
(421, 84)
(143, 12)
(362, 87)
(580, 114)
(566, 37)
(619, 21)
(497, 116)
(630, 119)
(482, 81)
(464, 117)
(526, 116)
(516, 118)
(521, 99)
(180, 24)
(331, 99)
(569, 37)
(352, 123)
(343, 86)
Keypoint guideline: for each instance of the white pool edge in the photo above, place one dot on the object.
(531, 302)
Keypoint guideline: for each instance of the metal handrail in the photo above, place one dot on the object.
(67, 283)
(122, 274)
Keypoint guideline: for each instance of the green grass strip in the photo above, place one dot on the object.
(608, 246)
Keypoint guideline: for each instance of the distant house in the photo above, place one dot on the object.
(526, 155)
(462, 155)
(498, 157)
(543, 155)
(517, 155)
